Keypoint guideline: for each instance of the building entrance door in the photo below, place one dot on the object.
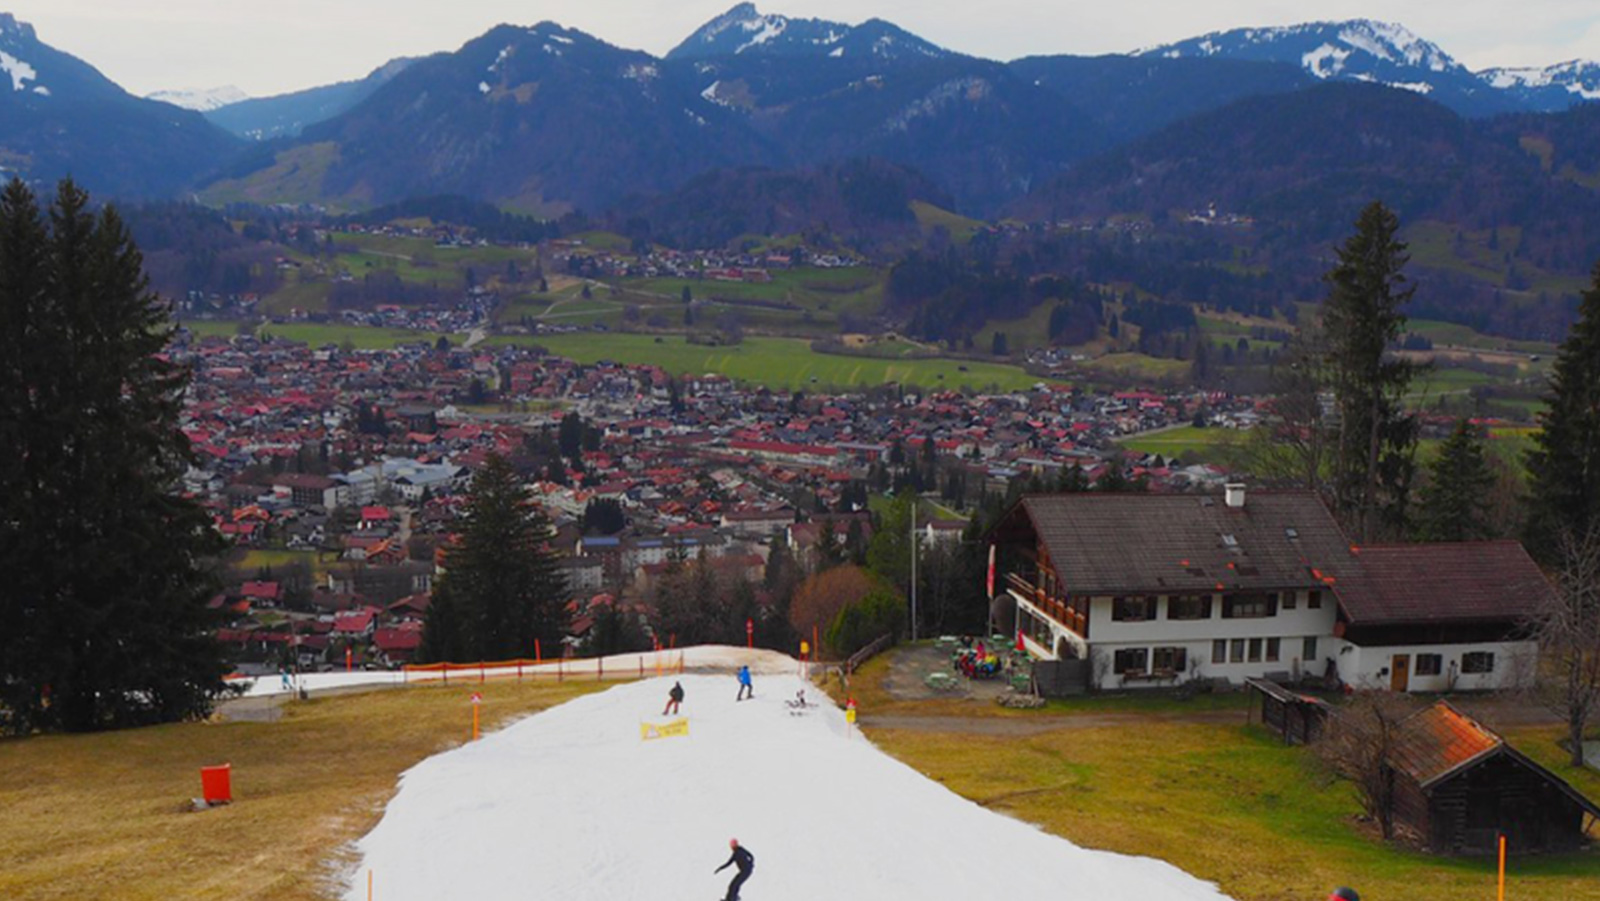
(1400, 672)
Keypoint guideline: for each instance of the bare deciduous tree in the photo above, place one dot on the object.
(1357, 747)
(1568, 628)
(1293, 445)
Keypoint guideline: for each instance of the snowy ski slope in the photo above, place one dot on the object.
(571, 804)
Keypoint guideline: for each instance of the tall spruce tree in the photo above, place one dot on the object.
(1374, 456)
(1564, 466)
(103, 615)
(1454, 505)
(501, 589)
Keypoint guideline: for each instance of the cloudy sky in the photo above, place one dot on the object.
(271, 46)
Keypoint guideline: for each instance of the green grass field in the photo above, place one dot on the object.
(601, 240)
(1138, 365)
(1458, 335)
(856, 289)
(208, 328)
(930, 217)
(296, 176)
(778, 363)
(1434, 244)
(1206, 444)
(278, 561)
(361, 337)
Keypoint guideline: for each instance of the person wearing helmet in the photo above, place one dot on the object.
(744, 861)
(1343, 894)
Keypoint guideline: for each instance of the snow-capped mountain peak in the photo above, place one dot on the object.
(1323, 49)
(19, 43)
(1550, 88)
(1362, 50)
(201, 99)
(746, 30)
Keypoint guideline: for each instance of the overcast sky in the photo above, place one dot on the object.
(272, 46)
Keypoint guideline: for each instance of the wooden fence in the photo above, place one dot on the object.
(872, 650)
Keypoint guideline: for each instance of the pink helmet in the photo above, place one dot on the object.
(733, 843)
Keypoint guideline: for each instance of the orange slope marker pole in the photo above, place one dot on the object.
(1502, 894)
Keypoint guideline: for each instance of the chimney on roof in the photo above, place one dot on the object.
(1234, 494)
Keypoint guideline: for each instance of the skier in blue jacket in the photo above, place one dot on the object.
(745, 689)
(746, 864)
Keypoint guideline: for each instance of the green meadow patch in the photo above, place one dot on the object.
(778, 363)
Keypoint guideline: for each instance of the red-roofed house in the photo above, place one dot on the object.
(356, 623)
(398, 645)
(262, 592)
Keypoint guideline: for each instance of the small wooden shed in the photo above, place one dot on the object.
(1298, 718)
(1459, 786)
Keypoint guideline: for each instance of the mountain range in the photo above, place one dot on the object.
(62, 117)
(754, 108)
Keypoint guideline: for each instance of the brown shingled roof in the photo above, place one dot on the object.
(1161, 543)
(1438, 583)
(1438, 741)
(1441, 741)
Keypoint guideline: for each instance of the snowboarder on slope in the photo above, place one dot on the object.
(746, 864)
(745, 689)
(674, 698)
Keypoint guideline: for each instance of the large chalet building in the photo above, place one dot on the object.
(1154, 589)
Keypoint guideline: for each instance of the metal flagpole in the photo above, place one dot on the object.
(914, 498)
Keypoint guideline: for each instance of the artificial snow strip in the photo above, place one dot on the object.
(589, 801)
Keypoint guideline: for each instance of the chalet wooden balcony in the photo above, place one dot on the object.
(1062, 612)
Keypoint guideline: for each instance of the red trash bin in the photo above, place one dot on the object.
(216, 784)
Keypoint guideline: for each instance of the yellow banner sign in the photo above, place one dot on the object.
(668, 729)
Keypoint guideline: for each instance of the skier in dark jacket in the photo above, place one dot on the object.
(744, 861)
(674, 698)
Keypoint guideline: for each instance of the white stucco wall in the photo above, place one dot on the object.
(1300, 621)
(1371, 667)
(1367, 667)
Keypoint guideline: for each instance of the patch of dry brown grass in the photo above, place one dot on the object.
(107, 815)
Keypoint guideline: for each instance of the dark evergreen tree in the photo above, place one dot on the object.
(1115, 479)
(603, 516)
(570, 435)
(1564, 466)
(1374, 458)
(855, 543)
(1072, 480)
(1454, 505)
(103, 615)
(501, 589)
(615, 631)
(830, 550)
